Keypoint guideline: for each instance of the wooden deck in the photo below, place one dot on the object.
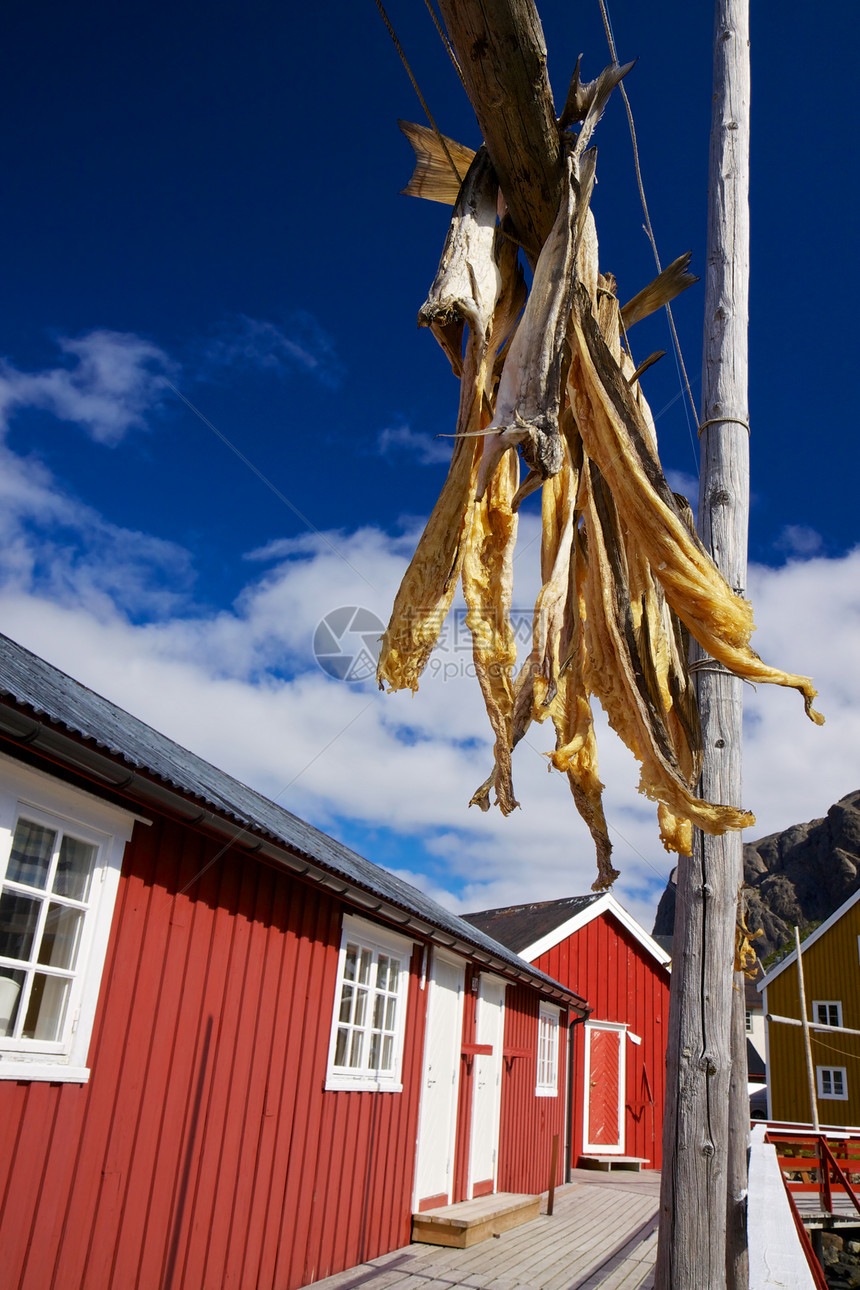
(602, 1236)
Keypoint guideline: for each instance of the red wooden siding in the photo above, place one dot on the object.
(529, 1122)
(622, 982)
(204, 1152)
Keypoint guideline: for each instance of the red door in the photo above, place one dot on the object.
(604, 1089)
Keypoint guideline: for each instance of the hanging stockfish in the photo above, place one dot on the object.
(529, 397)
(576, 744)
(487, 590)
(625, 581)
(661, 642)
(614, 670)
(479, 282)
(616, 438)
(530, 390)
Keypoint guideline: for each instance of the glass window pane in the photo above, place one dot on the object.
(61, 936)
(355, 1050)
(349, 962)
(346, 1003)
(393, 973)
(340, 1047)
(30, 859)
(74, 868)
(382, 973)
(18, 917)
(387, 1047)
(389, 1014)
(364, 966)
(360, 1007)
(11, 984)
(378, 1004)
(374, 1052)
(47, 1008)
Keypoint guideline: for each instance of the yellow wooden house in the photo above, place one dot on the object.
(831, 971)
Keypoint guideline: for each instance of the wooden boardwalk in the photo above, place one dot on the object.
(602, 1236)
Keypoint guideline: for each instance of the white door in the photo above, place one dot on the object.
(487, 1096)
(437, 1117)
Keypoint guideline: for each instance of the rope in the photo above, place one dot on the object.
(445, 41)
(421, 100)
(718, 421)
(607, 27)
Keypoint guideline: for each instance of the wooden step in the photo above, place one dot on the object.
(471, 1221)
(613, 1162)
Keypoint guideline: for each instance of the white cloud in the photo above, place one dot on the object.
(301, 344)
(240, 687)
(113, 380)
(403, 440)
(799, 540)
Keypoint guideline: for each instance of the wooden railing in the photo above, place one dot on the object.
(815, 1165)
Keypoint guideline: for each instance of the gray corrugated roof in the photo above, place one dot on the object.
(29, 681)
(520, 925)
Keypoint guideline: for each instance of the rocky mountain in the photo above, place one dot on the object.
(798, 876)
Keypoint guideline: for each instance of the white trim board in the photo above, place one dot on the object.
(606, 904)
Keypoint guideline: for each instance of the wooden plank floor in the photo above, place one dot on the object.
(602, 1236)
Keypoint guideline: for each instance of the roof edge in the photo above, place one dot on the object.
(810, 940)
(606, 904)
(76, 754)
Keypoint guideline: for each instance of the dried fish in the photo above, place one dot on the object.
(614, 672)
(625, 582)
(487, 590)
(576, 744)
(439, 166)
(615, 436)
(428, 587)
(530, 389)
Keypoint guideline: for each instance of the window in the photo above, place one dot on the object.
(547, 1051)
(832, 1082)
(827, 1012)
(748, 1024)
(60, 855)
(369, 1010)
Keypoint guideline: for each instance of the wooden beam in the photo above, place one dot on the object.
(502, 52)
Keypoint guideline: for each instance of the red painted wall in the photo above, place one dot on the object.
(622, 982)
(529, 1122)
(204, 1152)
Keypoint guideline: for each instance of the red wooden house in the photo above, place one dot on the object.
(233, 1053)
(618, 1056)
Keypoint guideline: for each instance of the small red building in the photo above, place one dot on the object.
(592, 944)
(233, 1053)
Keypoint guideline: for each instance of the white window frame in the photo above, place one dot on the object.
(831, 1071)
(36, 796)
(379, 940)
(549, 1028)
(748, 1021)
(827, 1004)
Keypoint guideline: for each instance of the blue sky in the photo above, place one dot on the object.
(205, 199)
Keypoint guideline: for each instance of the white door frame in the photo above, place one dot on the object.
(488, 979)
(424, 1116)
(600, 1148)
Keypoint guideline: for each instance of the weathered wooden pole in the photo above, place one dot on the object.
(807, 1042)
(702, 1240)
(502, 54)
